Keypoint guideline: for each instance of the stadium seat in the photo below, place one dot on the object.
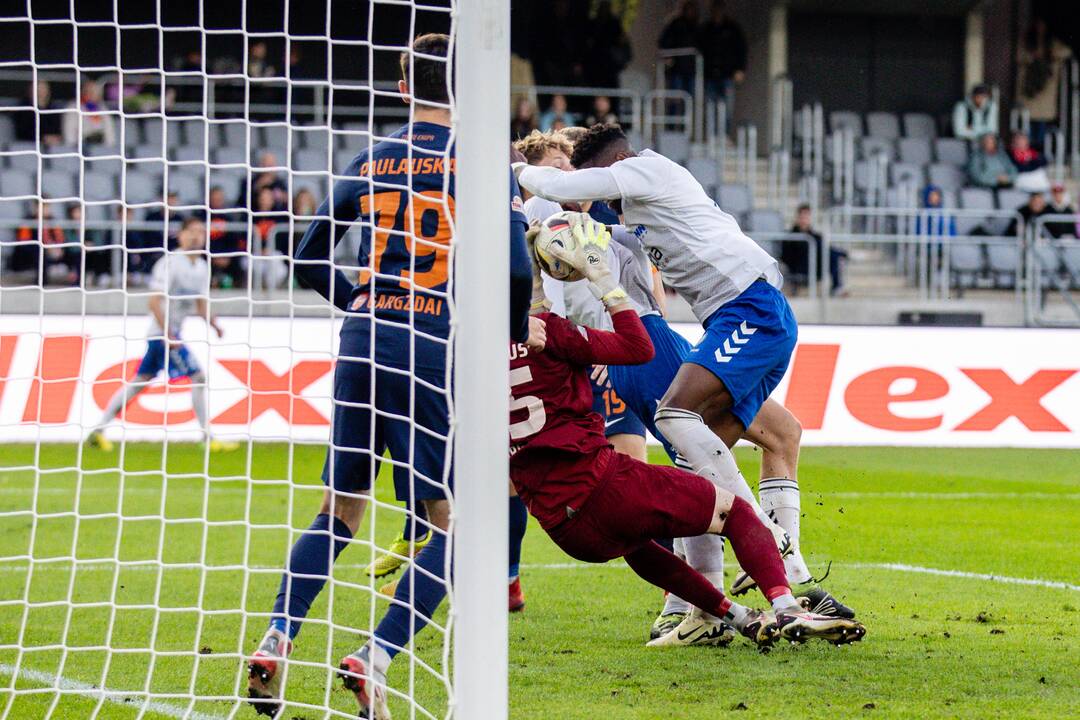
(1002, 259)
(1048, 264)
(230, 155)
(273, 136)
(734, 199)
(235, 134)
(974, 198)
(141, 187)
(99, 186)
(317, 184)
(947, 177)
(867, 177)
(953, 151)
(149, 168)
(146, 151)
(674, 146)
(188, 133)
(58, 184)
(309, 160)
(316, 138)
(706, 172)
(910, 173)
(846, 119)
(7, 129)
(915, 150)
(62, 163)
(883, 125)
(99, 150)
(10, 209)
(189, 187)
(871, 146)
(17, 182)
(232, 180)
(188, 153)
(919, 125)
(965, 264)
(152, 132)
(342, 158)
(1070, 260)
(24, 156)
(765, 221)
(1012, 199)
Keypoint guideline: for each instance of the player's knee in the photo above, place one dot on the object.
(198, 378)
(345, 507)
(629, 444)
(721, 509)
(438, 512)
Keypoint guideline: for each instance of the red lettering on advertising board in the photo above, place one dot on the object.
(869, 397)
(811, 381)
(1012, 399)
(56, 378)
(269, 391)
(108, 382)
(7, 351)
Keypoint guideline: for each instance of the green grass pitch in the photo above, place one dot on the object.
(938, 645)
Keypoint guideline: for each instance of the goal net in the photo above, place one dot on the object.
(139, 569)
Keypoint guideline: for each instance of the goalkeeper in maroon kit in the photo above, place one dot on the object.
(597, 504)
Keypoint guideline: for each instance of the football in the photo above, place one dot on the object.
(556, 230)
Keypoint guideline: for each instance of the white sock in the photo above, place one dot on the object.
(781, 501)
(118, 402)
(380, 659)
(785, 601)
(705, 553)
(198, 402)
(672, 602)
(706, 454)
(736, 615)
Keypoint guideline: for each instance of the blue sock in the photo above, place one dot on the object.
(393, 632)
(310, 556)
(519, 519)
(415, 529)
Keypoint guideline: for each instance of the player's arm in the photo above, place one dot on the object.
(574, 186)
(521, 272)
(315, 252)
(202, 307)
(157, 309)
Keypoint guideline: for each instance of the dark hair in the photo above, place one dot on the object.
(980, 89)
(803, 207)
(595, 141)
(429, 76)
(190, 220)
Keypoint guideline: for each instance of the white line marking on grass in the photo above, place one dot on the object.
(953, 495)
(74, 687)
(900, 567)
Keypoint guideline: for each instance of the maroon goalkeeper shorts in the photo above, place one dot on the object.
(634, 504)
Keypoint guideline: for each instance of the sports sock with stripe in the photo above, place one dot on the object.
(418, 595)
(780, 500)
(519, 520)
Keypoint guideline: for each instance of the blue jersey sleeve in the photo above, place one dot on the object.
(520, 267)
(315, 253)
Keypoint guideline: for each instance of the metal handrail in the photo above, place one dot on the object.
(699, 82)
(652, 118)
(812, 258)
(1038, 238)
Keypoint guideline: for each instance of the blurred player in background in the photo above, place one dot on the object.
(180, 282)
(598, 504)
(403, 190)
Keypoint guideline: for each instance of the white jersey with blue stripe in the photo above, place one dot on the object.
(699, 249)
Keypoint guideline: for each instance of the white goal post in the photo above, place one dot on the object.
(136, 579)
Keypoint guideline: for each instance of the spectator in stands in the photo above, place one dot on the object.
(1030, 164)
(1060, 205)
(98, 260)
(1039, 62)
(976, 116)
(268, 248)
(601, 112)
(97, 125)
(29, 123)
(989, 166)
(723, 48)
(258, 66)
(524, 121)
(936, 224)
(608, 49)
(227, 265)
(681, 32)
(40, 246)
(140, 94)
(267, 177)
(795, 254)
(1030, 211)
(304, 204)
(557, 112)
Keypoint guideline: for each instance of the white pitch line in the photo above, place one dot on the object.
(75, 687)
(950, 496)
(897, 567)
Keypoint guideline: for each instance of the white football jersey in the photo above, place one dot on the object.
(574, 300)
(699, 249)
(182, 280)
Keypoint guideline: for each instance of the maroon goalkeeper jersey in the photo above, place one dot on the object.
(551, 418)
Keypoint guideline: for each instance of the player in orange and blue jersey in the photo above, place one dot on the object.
(392, 378)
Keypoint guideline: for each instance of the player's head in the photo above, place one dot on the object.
(546, 148)
(425, 71)
(192, 235)
(601, 146)
(573, 134)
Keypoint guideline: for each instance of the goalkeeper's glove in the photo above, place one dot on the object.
(539, 302)
(593, 240)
